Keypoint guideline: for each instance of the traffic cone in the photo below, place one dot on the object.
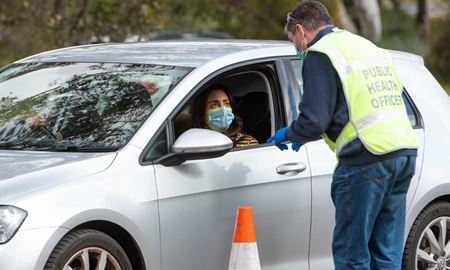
(244, 251)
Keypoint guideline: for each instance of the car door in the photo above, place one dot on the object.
(198, 201)
(322, 165)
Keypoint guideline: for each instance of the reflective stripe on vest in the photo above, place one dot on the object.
(372, 89)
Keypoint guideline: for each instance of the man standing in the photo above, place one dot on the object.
(353, 100)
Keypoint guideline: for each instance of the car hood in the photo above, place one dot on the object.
(23, 171)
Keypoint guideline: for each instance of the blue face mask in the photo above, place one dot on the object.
(300, 54)
(220, 119)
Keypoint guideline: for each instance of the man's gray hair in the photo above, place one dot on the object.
(310, 14)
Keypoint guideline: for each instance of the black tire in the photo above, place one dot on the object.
(91, 241)
(417, 239)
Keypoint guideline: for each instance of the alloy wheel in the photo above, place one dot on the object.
(433, 248)
(91, 258)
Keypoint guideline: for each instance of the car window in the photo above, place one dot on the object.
(158, 147)
(79, 105)
(411, 111)
(297, 67)
(292, 70)
(251, 104)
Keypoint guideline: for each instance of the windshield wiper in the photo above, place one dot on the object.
(54, 148)
(73, 148)
(12, 146)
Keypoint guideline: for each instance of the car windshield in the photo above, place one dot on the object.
(79, 106)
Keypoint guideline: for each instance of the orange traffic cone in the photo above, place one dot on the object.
(244, 251)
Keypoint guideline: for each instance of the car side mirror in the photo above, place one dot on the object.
(195, 144)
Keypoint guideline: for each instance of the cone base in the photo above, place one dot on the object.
(244, 256)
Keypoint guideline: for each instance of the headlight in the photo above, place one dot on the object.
(10, 220)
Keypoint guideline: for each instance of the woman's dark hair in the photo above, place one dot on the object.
(199, 106)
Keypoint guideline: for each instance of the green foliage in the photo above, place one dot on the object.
(28, 27)
(333, 9)
(258, 19)
(447, 87)
(31, 26)
(6, 103)
(438, 57)
(22, 110)
(399, 33)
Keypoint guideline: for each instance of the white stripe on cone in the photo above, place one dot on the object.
(244, 256)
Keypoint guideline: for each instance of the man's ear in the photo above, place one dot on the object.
(300, 30)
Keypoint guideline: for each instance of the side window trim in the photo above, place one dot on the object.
(286, 85)
(293, 78)
(270, 88)
(291, 91)
(161, 130)
(276, 97)
(417, 115)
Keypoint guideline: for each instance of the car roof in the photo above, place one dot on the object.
(193, 53)
(177, 53)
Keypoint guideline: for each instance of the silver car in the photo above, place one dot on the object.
(101, 168)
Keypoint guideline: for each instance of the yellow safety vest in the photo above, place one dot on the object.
(373, 92)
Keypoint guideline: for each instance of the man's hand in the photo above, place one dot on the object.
(278, 138)
(296, 146)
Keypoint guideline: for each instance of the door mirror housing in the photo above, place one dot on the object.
(197, 143)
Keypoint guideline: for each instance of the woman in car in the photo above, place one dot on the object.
(212, 109)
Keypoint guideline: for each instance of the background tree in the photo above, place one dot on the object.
(421, 19)
(31, 26)
(369, 19)
(338, 10)
(438, 57)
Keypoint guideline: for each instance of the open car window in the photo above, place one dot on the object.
(251, 102)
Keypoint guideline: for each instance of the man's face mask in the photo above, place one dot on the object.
(300, 54)
(220, 119)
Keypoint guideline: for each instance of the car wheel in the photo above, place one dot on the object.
(86, 250)
(428, 245)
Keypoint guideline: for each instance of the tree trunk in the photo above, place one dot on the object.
(56, 7)
(340, 15)
(346, 20)
(422, 19)
(79, 15)
(369, 19)
(396, 4)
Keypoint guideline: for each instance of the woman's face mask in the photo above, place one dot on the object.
(220, 119)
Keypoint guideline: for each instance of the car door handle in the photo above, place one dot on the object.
(291, 168)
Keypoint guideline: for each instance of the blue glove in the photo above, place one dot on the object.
(282, 146)
(278, 138)
(296, 146)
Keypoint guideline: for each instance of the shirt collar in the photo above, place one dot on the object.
(321, 33)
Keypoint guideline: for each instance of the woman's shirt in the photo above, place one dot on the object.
(243, 140)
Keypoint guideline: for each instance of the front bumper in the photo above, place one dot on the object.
(29, 249)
